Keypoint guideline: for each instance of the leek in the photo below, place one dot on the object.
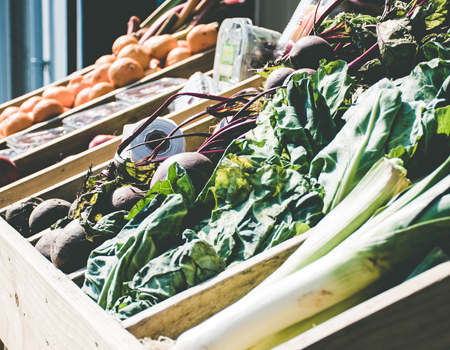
(359, 261)
(437, 256)
(383, 182)
(306, 253)
(296, 329)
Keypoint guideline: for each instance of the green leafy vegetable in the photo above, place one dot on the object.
(151, 232)
(360, 143)
(170, 273)
(397, 45)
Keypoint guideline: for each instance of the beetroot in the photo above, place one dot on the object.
(44, 244)
(301, 70)
(47, 213)
(71, 249)
(8, 171)
(309, 50)
(18, 214)
(124, 198)
(198, 167)
(277, 77)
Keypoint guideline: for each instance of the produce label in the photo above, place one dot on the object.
(226, 62)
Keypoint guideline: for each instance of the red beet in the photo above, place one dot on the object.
(8, 171)
(308, 51)
(97, 140)
(198, 167)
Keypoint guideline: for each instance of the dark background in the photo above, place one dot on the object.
(105, 20)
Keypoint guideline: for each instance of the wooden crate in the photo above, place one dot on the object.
(78, 139)
(202, 62)
(41, 307)
(414, 315)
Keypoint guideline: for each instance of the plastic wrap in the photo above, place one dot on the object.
(81, 119)
(147, 91)
(199, 83)
(240, 47)
(25, 142)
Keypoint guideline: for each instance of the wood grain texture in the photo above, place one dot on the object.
(42, 309)
(189, 308)
(202, 62)
(414, 315)
(58, 172)
(38, 92)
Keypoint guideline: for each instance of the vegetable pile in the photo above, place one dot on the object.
(352, 143)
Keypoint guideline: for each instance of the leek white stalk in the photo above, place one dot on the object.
(381, 183)
(298, 328)
(359, 261)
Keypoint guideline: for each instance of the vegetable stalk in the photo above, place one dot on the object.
(360, 261)
(382, 183)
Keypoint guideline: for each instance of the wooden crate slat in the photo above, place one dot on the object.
(60, 171)
(184, 69)
(41, 308)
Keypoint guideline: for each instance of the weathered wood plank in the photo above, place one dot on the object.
(42, 309)
(414, 315)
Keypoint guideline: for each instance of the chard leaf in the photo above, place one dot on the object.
(150, 232)
(436, 13)
(108, 225)
(316, 101)
(443, 120)
(434, 49)
(256, 206)
(334, 84)
(406, 131)
(279, 133)
(434, 145)
(425, 81)
(397, 45)
(177, 182)
(359, 144)
(172, 272)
